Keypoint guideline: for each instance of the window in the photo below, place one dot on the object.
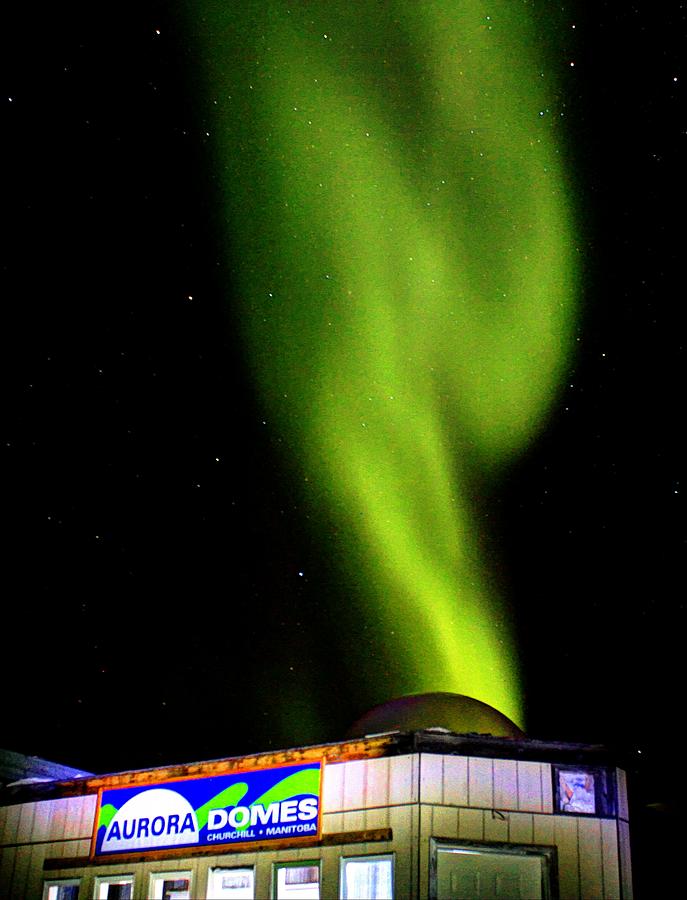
(234, 884)
(61, 890)
(170, 886)
(114, 887)
(583, 790)
(367, 878)
(297, 881)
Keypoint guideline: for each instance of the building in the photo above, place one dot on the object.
(423, 813)
(16, 768)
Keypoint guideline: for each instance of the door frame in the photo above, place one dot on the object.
(546, 852)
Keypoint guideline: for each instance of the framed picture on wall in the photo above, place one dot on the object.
(583, 790)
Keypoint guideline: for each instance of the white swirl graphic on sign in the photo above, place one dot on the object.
(155, 818)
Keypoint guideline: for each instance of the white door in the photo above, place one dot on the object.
(464, 874)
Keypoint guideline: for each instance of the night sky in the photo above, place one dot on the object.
(168, 593)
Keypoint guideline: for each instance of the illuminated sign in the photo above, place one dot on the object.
(258, 805)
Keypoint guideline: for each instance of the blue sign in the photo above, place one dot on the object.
(258, 805)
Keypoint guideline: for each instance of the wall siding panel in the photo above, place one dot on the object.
(88, 807)
(547, 787)
(332, 793)
(27, 812)
(329, 874)
(354, 784)
(58, 820)
(403, 821)
(530, 797)
(591, 858)
(83, 847)
(263, 875)
(332, 823)
(11, 825)
(376, 818)
(404, 777)
(354, 820)
(34, 885)
(520, 828)
(471, 824)
(505, 784)
(6, 870)
(444, 823)
(609, 849)
(565, 838)
(426, 829)
(404, 877)
(621, 782)
(543, 830)
(431, 778)
(71, 848)
(495, 826)
(480, 783)
(41, 822)
(20, 876)
(402, 825)
(625, 867)
(377, 782)
(455, 788)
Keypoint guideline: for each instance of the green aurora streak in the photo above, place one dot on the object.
(403, 246)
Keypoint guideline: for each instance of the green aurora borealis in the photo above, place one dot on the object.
(398, 223)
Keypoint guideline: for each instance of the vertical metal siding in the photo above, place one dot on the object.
(6, 870)
(354, 784)
(443, 822)
(547, 787)
(480, 783)
(625, 866)
(505, 784)
(41, 822)
(354, 820)
(332, 788)
(432, 778)
(609, 845)
(332, 822)
(25, 824)
(543, 830)
(377, 782)
(565, 838)
(531, 787)
(496, 826)
(426, 830)
(455, 785)
(621, 782)
(20, 876)
(363, 783)
(263, 874)
(471, 824)
(9, 835)
(34, 886)
(521, 828)
(330, 873)
(590, 858)
(404, 779)
(403, 822)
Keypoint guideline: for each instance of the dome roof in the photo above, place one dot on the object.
(455, 712)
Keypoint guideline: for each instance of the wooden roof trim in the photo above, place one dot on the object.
(364, 748)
